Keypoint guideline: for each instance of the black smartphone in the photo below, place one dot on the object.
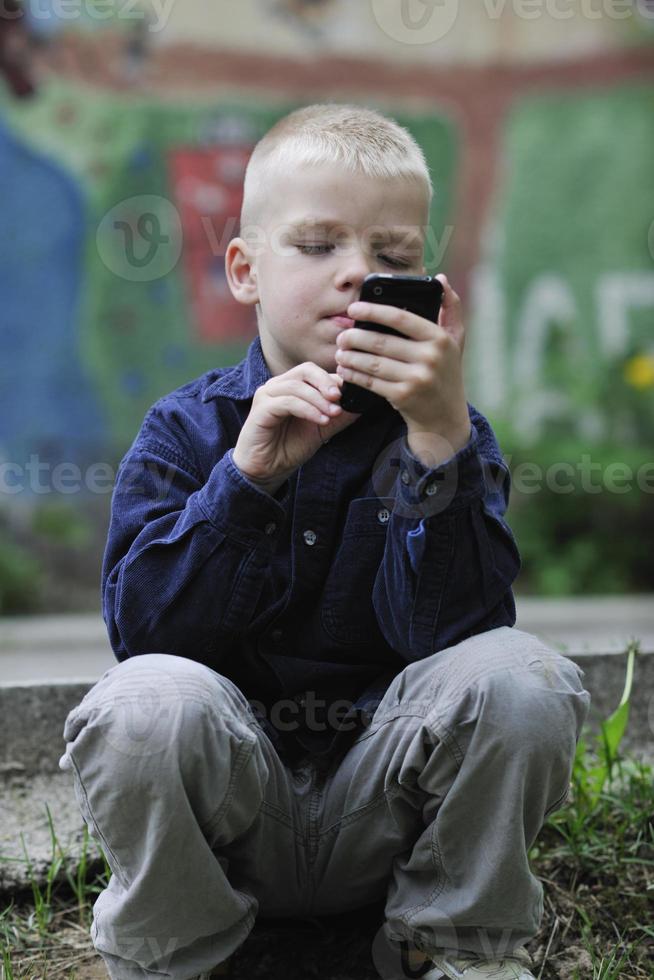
(419, 294)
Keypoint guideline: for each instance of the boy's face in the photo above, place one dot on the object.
(322, 232)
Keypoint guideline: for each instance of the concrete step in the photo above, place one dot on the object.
(47, 665)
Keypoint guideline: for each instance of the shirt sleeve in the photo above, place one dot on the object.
(186, 558)
(450, 557)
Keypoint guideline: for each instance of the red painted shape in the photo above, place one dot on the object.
(207, 185)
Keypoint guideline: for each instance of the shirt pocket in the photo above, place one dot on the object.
(348, 615)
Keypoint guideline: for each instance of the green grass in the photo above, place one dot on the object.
(595, 858)
(47, 936)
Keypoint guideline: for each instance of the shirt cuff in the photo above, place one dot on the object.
(234, 504)
(453, 484)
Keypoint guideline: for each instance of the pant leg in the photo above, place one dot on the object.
(438, 802)
(170, 767)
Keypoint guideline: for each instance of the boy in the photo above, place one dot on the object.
(320, 700)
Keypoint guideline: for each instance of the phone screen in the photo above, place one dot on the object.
(419, 294)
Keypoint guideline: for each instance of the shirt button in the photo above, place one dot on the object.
(309, 537)
(277, 635)
(383, 516)
(431, 489)
(405, 477)
(271, 528)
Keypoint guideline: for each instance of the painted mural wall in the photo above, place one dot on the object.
(114, 261)
(113, 279)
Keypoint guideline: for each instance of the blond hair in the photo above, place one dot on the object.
(360, 140)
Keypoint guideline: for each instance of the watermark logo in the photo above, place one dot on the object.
(416, 21)
(140, 239)
(428, 21)
(397, 473)
(398, 958)
(141, 715)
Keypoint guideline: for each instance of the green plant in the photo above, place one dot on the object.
(596, 855)
(592, 772)
(604, 968)
(6, 932)
(26, 939)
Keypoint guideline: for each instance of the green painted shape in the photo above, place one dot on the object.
(577, 201)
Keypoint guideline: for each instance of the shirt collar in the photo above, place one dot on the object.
(242, 380)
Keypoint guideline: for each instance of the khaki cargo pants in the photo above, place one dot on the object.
(433, 808)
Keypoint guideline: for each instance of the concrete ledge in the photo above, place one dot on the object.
(593, 625)
(32, 715)
(32, 722)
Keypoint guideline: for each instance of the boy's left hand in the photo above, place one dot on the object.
(421, 376)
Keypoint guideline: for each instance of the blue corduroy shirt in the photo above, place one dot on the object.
(312, 599)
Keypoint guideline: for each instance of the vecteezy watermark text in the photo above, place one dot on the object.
(429, 21)
(141, 238)
(40, 477)
(154, 479)
(153, 13)
(149, 479)
(565, 477)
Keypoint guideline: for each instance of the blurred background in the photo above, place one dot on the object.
(125, 128)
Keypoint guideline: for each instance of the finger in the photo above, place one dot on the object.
(450, 317)
(410, 324)
(286, 385)
(451, 300)
(381, 386)
(366, 381)
(322, 380)
(384, 368)
(286, 405)
(308, 371)
(373, 342)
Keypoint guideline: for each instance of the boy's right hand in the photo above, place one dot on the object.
(284, 427)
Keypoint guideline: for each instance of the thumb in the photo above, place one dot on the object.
(450, 317)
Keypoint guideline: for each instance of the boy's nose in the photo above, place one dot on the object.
(353, 270)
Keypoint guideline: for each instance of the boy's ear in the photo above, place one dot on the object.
(241, 272)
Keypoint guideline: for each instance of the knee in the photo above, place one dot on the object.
(539, 701)
(154, 705)
(514, 685)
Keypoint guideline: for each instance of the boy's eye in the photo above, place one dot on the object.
(323, 248)
(319, 249)
(395, 262)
